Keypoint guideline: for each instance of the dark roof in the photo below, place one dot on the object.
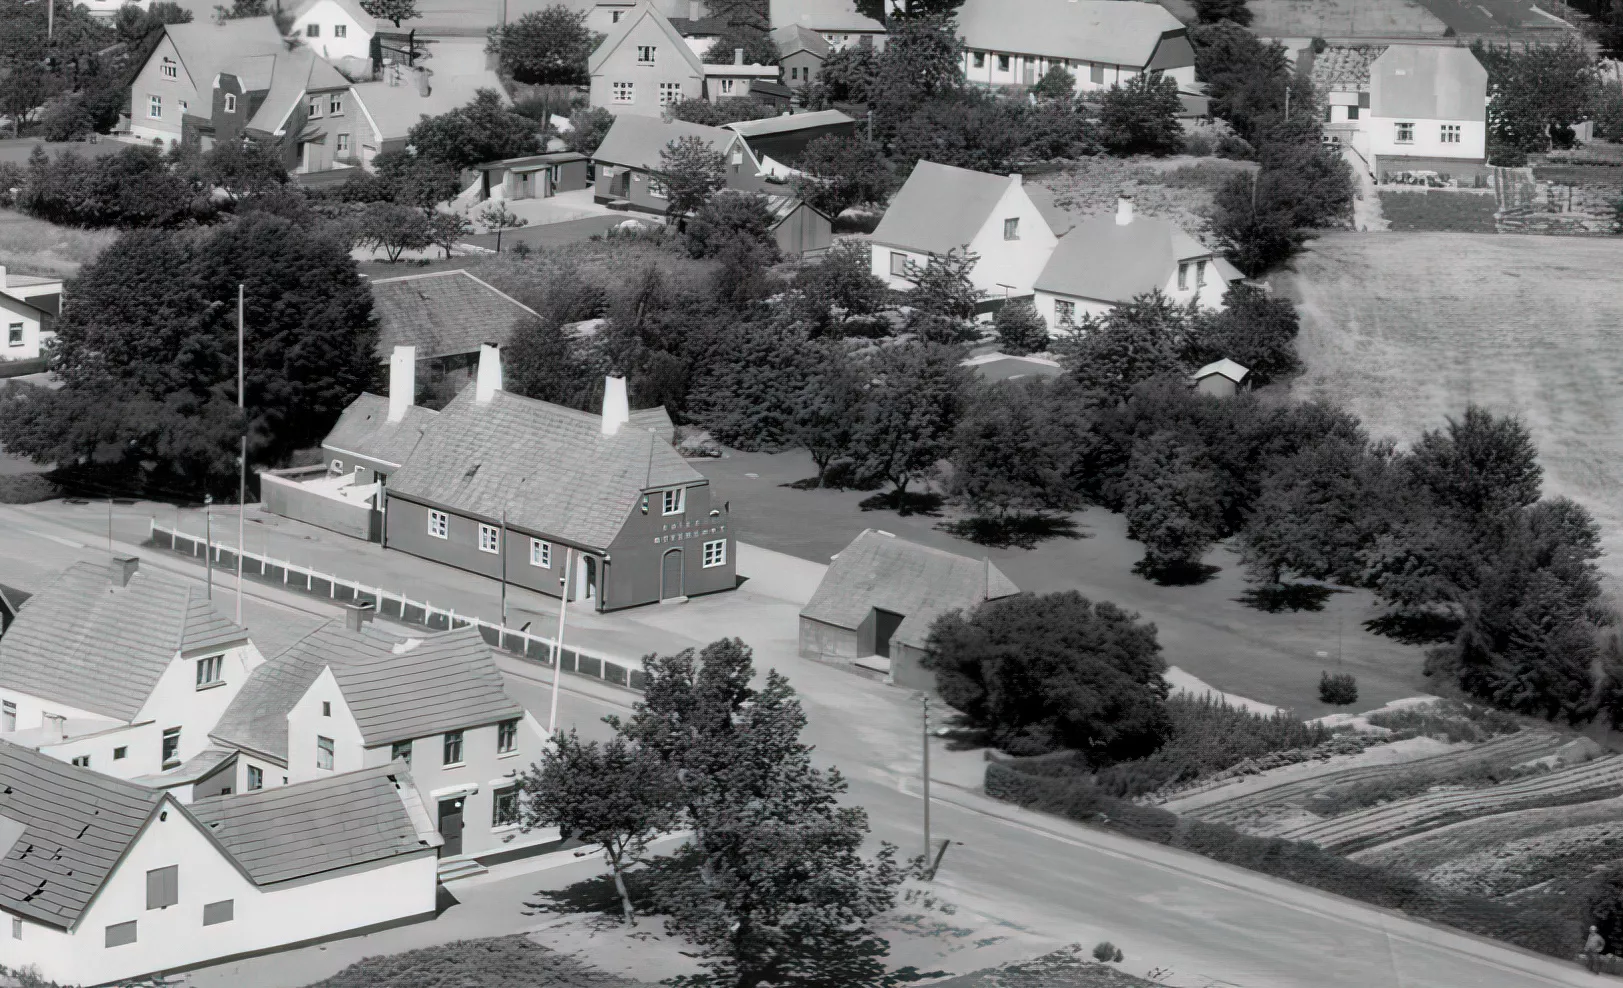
(636, 141)
(703, 27)
(365, 429)
(918, 582)
(770, 87)
(11, 601)
(788, 123)
(442, 314)
(287, 832)
(86, 643)
(1112, 262)
(1428, 82)
(791, 38)
(62, 830)
(548, 468)
(919, 216)
(257, 717)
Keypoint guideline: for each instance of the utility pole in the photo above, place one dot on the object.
(208, 541)
(50, 19)
(927, 842)
(1287, 102)
(558, 646)
(242, 456)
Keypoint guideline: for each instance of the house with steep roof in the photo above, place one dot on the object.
(599, 507)
(445, 316)
(352, 696)
(29, 306)
(334, 29)
(108, 881)
(837, 21)
(875, 604)
(801, 53)
(124, 671)
(183, 71)
(603, 16)
(784, 137)
(391, 106)
(941, 208)
(628, 161)
(644, 65)
(1101, 42)
(1107, 260)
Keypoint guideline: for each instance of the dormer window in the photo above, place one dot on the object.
(209, 671)
(675, 501)
(169, 69)
(231, 102)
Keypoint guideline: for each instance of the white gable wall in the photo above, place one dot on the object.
(670, 65)
(15, 316)
(178, 702)
(1007, 268)
(170, 93)
(305, 723)
(1210, 296)
(327, 16)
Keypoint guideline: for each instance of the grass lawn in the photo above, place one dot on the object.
(1204, 629)
(1061, 969)
(1404, 329)
(1439, 212)
(30, 246)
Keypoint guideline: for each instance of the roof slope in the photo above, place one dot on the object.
(1343, 68)
(1110, 262)
(364, 428)
(1227, 368)
(822, 15)
(396, 108)
(789, 122)
(62, 829)
(1428, 82)
(906, 578)
(287, 832)
(1114, 32)
(86, 643)
(442, 314)
(548, 468)
(207, 49)
(792, 38)
(636, 141)
(257, 717)
(617, 36)
(293, 73)
(940, 207)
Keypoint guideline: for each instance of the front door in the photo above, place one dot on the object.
(885, 625)
(451, 826)
(670, 575)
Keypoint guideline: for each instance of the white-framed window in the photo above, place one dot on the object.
(504, 807)
(489, 538)
(169, 69)
(675, 500)
(540, 553)
(1064, 312)
(231, 102)
(614, 17)
(1183, 276)
(335, 104)
(439, 524)
(315, 106)
(340, 30)
(980, 60)
(256, 778)
(14, 334)
(1405, 132)
(8, 717)
(209, 671)
(657, 189)
(82, 761)
(1096, 74)
(312, 30)
(1200, 274)
(1003, 63)
(400, 751)
(326, 708)
(898, 264)
(16, 928)
(163, 887)
(343, 143)
(154, 107)
(120, 753)
(324, 753)
(727, 87)
(184, 106)
(715, 553)
(646, 53)
(506, 737)
(452, 753)
(624, 92)
(670, 93)
(1011, 228)
(1451, 133)
(171, 747)
(1352, 113)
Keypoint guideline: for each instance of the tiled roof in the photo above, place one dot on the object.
(87, 643)
(288, 832)
(915, 581)
(656, 419)
(636, 141)
(832, 16)
(1428, 82)
(1112, 32)
(207, 49)
(293, 73)
(395, 108)
(549, 469)
(257, 717)
(940, 207)
(791, 38)
(442, 314)
(617, 36)
(1343, 68)
(200, 765)
(789, 122)
(1110, 262)
(62, 829)
(364, 428)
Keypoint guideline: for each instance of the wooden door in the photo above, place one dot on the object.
(451, 826)
(670, 575)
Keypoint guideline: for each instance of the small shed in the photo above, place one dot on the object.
(536, 176)
(797, 227)
(1222, 378)
(875, 605)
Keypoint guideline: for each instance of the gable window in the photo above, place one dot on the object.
(1200, 274)
(16, 928)
(169, 69)
(1003, 63)
(400, 751)
(1405, 133)
(209, 671)
(715, 553)
(256, 778)
(343, 148)
(1183, 276)
(171, 747)
(335, 103)
(675, 500)
(120, 934)
(645, 54)
(670, 93)
(83, 761)
(980, 60)
(504, 807)
(163, 887)
(506, 737)
(8, 717)
(453, 748)
(326, 708)
(184, 106)
(1064, 312)
(14, 334)
(120, 753)
(1011, 228)
(315, 106)
(231, 102)
(1451, 133)
(540, 554)
(324, 753)
(439, 524)
(624, 92)
(1352, 113)
(340, 30)
(215, 913)
(489, 538)
(1096, 74)
(155, 107)
(312, 30)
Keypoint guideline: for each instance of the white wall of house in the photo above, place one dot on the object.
(141, 744)
(159, 100)
(1007, 268)
(1428, 140)
(272, 773)
(1208, 295)
(338, 35)
(1046, 304)
(994, 68)
(889, 262)
(178, 700)
(652, 85)
(306, 723)
(21, 331)
(174, 937)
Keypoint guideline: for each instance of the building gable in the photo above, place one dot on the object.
(323, 713)
(644, 25)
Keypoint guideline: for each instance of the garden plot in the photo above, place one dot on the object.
(1422, 853)
(1520, 864)
(1343, 19)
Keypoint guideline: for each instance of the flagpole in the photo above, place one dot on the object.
(242, 457)
(558, 646)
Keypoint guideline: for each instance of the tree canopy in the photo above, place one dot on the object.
(484, 130)
(549, 46)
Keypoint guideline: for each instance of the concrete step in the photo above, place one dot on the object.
(457, 868)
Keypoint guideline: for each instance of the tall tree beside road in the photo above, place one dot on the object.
(823, 421)
(549, 46)
(1169, 496)
(394, 229)
(1015, 449)
(909, 410)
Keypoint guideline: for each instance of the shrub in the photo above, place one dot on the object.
(1104, 952)
(26, 488)
(1339, 689)
(1020, 330)
(1448, 719)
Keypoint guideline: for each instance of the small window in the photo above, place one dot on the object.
(504, 807)
(1451, 133)
(670, 93)
(715, 553)
(163, 887)
(453, 748)
(315, 106)
(614, 17)
(675, 500)
(120, 934)
(256, 778)
(1183, 276)
(1065, 312)
(1405, 132)
(1200, 274)
(439, 524)
(343, 143)
(312, 30)
(184, 106)
(656, 189)
(16, 928)
(506, 737)
(14, 334)
(155, 107)
(1011, 228)
(980, 60)
(489, 538)
(624, 92)
(1352, 113)
(1096, 74)
(231, 102)
(83, 761)
(171, 747)
(540, 554)
(335, 103)
(645, 54)
(898, 264)
(340, 30)
(210, 671)
(727, 87)
(1003, 63)
(120, 753)
(8, 717)
(324, 753)
(326, 708)
(169, 69)
(215, 913)
(400, 751)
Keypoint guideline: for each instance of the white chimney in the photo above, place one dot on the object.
(56, 727)
(402, 381)
(738, 56)
(1124, 210)
(616, 407)
(489, 380)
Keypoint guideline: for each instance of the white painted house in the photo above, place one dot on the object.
(1100, 42)
(1107, 260)
(836, 20)
(1406, 107)
(125, 672)
(334, 29)
(104, 880)
(941, 208)
(29, 306)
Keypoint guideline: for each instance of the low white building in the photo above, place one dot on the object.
(1406, 107)
(29, 306)
(334, 29)
(836, 20)
(941, 208)
(106, 881)
(1100, 42)
(1111, 259)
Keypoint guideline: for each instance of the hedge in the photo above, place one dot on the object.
(1544, 930)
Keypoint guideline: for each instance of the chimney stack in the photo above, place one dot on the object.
(738, 56)
(489, 380)
(122, 568)
(423, 88)
(1124, 210)
(616, 406)
(402, 381)
(56, 727)
(358, 616)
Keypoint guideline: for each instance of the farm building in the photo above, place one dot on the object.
(1102, 43)
(628, 161)
(798, 228)
(875, 604)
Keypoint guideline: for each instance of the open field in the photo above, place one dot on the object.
(1404, 329)
(1343, 18)
(30, 246)
(1179, 188)
(1441, 212)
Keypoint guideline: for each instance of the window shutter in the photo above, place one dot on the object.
(163, 887)
(219, 912)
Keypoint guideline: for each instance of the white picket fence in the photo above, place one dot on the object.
(399, 607)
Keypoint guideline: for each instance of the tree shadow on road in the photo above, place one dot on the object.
(1190, 575)
(1019, 529)
(911, 503)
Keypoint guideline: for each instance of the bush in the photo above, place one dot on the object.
(1020, 330)
(26, 488)
(1450, 720)
(1104, 952)
(1339, 689)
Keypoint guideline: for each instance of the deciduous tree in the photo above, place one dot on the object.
(942, 286)
(497, 218)
(692, 171)
(1213, 11)
(838, 172)
(393, 11)
(1016, 449)
(484, 130)
(823, 420)
(1140, 116)
(1134, 342)
(446, 230)
(1168, 493)
(587, 128)
(545, 362)
(549, 46)
(908, 413)
(394, 229)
